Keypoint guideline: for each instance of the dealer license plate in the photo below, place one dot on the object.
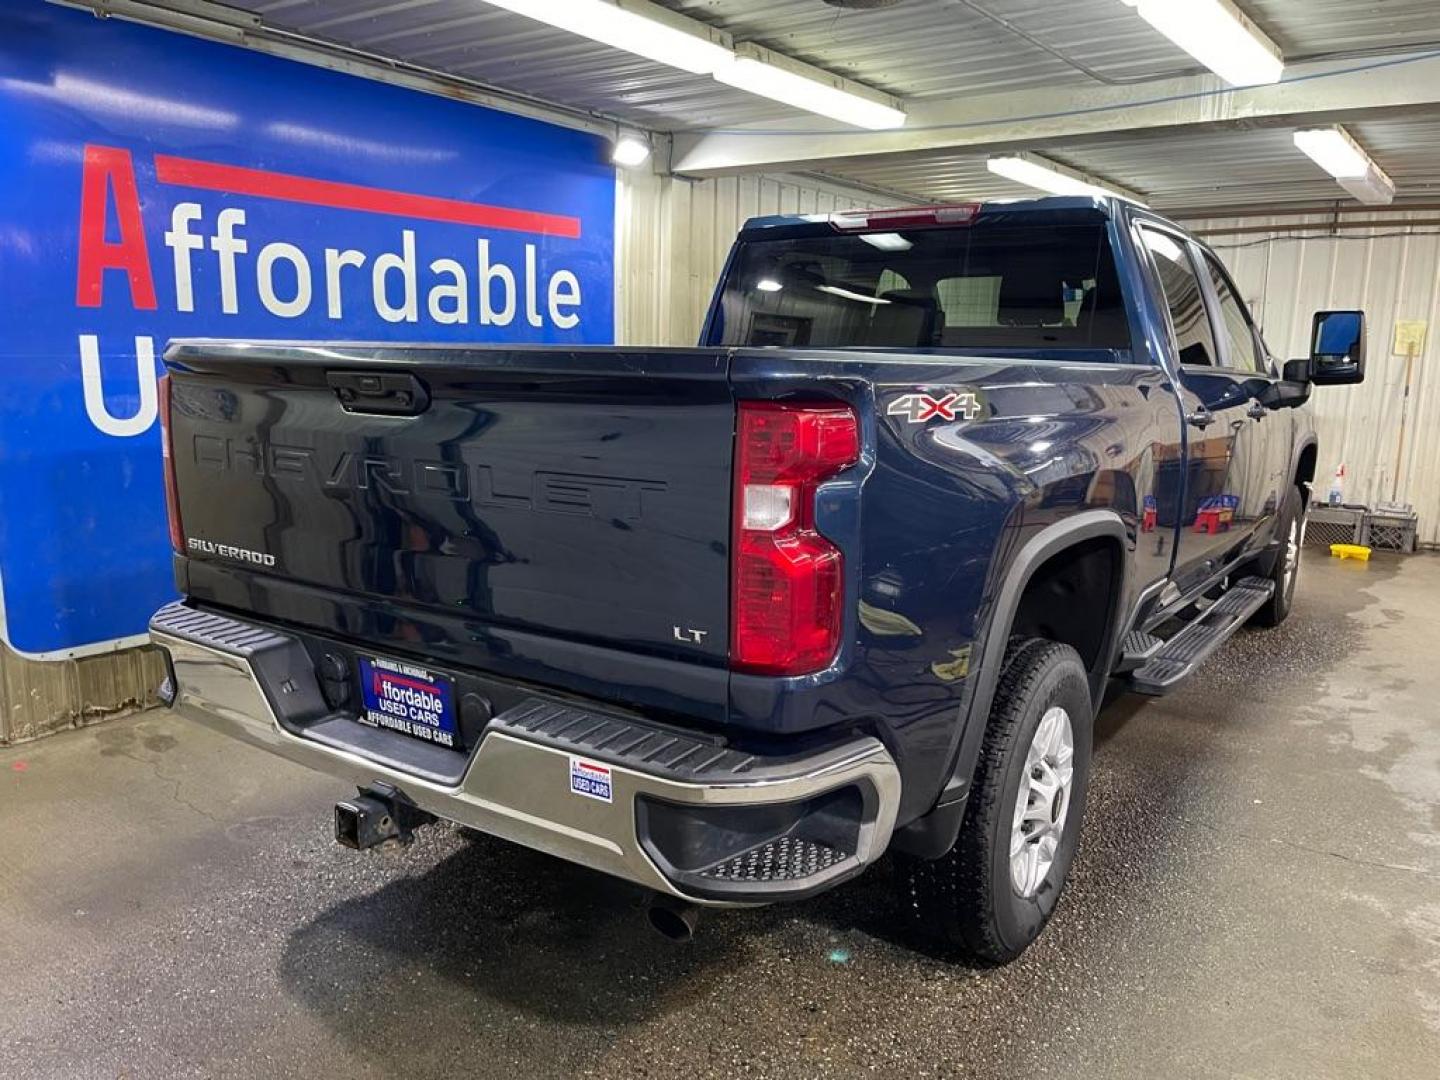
(408, 699)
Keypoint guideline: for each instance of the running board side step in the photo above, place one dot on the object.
(1182, 654)
(1137, 650)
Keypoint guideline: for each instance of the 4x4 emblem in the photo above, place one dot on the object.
(918, 408)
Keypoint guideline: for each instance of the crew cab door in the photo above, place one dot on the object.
(1263, 452)
(1225, 486)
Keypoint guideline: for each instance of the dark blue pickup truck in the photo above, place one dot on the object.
(732, 621)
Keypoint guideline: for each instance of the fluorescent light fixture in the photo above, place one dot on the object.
(1218, 34)
(1343, 158)
(666, 37)
(635, 26)
(1374, 188)
(630, 151)
(1334, 151)
(887, 241)
(1034, 171)
(768, 284)
(768, 74)
(836, 290)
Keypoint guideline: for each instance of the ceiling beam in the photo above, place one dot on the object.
(1316, 91)
(1329, 209)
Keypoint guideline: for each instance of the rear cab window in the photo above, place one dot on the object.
(1002, 284)
(1246, 354)
(1184, 298)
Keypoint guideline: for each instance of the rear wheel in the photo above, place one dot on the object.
(994, 891)
(1286, 571)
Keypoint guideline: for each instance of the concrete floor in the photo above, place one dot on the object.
(1257, 895)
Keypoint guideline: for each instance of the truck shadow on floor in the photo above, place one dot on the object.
(496, 923)
(499, 954)
(495, 945)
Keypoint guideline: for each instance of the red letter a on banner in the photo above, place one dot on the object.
(109, 168)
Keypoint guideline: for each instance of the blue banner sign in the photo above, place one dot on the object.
(159, 186)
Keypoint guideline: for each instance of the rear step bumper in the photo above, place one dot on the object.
(685, 816)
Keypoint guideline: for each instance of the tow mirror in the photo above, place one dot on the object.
(1296, 370)
(1292, 390)
(1337, 348)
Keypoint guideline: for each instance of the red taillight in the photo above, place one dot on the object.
(172, 493)
(787, 585)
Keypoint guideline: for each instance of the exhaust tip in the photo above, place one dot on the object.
(673, 919)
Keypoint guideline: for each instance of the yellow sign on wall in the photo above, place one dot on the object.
(1410, 336)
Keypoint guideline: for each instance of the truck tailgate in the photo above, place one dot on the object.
(582, 496)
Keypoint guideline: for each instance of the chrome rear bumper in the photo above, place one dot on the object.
(227, 674)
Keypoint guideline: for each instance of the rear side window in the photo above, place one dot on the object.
(986, 285)
(1183, 296)
(1235, 321)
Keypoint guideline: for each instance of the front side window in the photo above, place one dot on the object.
(985, 285)
(1183, 296)
(1244, 356)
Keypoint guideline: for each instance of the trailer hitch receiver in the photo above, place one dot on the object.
(379, 815)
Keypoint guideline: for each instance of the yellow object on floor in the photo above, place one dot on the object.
(1350, 551)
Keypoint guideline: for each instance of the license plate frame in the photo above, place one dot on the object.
(410, 700)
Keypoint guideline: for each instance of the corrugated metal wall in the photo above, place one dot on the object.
(673, 236)
(1392, 271)
(38, 698)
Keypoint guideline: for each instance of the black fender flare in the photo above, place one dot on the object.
(1265, 563)
(1303, 443)
(933, 834)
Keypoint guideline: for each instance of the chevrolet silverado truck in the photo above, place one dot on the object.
(731, 621)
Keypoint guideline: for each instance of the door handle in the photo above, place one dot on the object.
(385, 394)
(1256, 411)
(1200, 418)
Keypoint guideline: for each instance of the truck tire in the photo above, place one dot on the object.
(1286, 570)
(995, 890)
